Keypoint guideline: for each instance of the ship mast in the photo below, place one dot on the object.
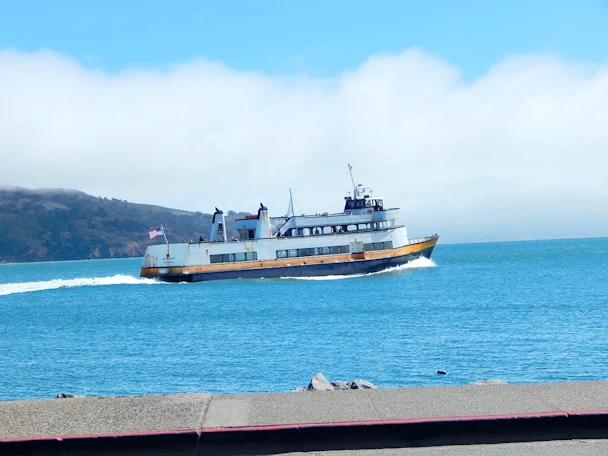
(290, 211)
(350, 171)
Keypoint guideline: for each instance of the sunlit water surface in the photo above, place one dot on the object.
(520, 312)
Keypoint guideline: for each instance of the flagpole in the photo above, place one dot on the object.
(164, 235)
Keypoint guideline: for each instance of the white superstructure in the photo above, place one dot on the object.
(362, 238)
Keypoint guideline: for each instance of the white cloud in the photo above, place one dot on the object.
(521, 152)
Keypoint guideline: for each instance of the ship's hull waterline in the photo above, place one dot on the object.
(314, 266)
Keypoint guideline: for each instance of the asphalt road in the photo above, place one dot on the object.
(551, 448)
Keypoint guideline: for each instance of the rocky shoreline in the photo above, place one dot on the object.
(320, 383)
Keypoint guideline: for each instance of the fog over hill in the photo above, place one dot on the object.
(516, 153)
(65, 224)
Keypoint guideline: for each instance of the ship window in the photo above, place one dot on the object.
(324, 250)
(305, 231)
(335, 249)
(296, 232)
(368, 203)
(225, 258)
(251, 234)
(378, 246)
(239, 257)
(360, 204)
(350, 204)
(251, 256)
(388, 244)
(281, 253)
(328, 230)
(362, 227)
(368, 247)
(344, 249)
(293, 253)
(303, 252)
(351, 228)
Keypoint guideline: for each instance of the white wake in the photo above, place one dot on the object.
(418, 263)
(27, 287)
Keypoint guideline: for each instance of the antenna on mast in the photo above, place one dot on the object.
(350, 171)
(290, 211)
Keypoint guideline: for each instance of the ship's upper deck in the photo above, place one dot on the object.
(361, 210)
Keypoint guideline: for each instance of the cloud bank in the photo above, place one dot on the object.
(519, 153)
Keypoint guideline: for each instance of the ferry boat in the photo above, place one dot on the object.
(363, 238)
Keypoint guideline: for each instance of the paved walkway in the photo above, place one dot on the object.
(305, 421)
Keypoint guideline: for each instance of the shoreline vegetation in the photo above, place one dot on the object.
(59, 225)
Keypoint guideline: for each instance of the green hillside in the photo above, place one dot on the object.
(55, 224)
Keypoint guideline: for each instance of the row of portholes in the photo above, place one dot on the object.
(293, 253)
(316, 231)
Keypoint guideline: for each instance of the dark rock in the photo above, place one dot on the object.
(362, 384)
(67, 395)
(340, 385)
(320, 383)
(442, 372)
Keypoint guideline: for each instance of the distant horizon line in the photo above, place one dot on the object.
(520, 240)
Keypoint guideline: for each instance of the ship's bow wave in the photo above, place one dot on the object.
(27, 287)
(418, 263)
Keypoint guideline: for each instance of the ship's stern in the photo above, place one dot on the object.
(163, 260)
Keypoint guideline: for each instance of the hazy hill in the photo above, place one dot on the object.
(57, 224)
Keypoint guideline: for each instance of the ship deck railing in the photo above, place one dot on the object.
(420, 240)
(337, 214)
(325, 214)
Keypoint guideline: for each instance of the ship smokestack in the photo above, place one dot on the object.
(218, 227)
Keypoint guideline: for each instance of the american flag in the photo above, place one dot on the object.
(155, 232)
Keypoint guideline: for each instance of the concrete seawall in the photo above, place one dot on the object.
(201, 424)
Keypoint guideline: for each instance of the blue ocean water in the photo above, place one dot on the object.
(519, 311)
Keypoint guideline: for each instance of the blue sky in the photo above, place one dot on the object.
(319, 38)
(480, 119)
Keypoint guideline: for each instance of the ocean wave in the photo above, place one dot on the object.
(27, 287)
(419, 263)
